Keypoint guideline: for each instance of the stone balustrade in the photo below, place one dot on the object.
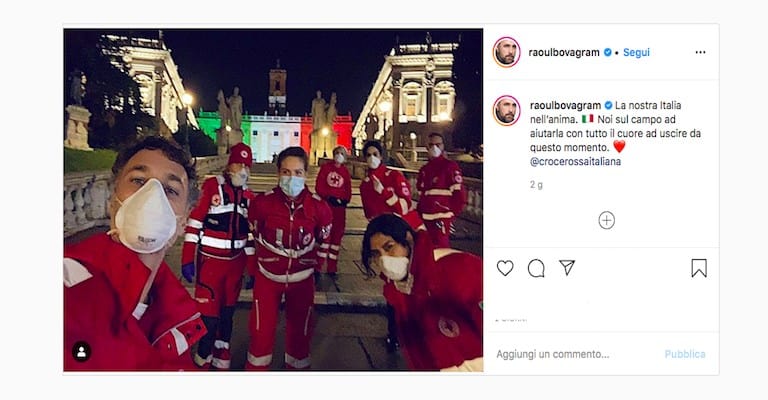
(85, 200)
(210, 165)
(86, 194)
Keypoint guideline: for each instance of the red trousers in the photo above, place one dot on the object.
(219, 282)
(440, 232)
(333, 246)
(299, 323)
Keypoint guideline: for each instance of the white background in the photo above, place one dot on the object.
(630, 292)
(663, 194)
(31, 288)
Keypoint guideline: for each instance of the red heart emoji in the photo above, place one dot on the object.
(618, 145)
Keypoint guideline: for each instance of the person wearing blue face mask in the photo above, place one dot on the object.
(289, 225)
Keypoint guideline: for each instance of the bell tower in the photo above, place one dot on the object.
(277, 90)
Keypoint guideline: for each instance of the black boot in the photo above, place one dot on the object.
(221, 347)
(205, 346)
(225, 323)
(392, 343)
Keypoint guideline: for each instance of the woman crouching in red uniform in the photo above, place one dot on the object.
(437, 294)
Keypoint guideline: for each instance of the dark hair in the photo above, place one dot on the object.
(440, 135)
(386, 224)
(372, 143)
(170, 150)
(293, 151)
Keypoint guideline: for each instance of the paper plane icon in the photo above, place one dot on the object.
(567, 265)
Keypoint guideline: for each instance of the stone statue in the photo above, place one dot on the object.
(223, 110)
(330, 114)
(318, 111)
(236, 109)
(371, 126)
(77, 127)
(77, 87)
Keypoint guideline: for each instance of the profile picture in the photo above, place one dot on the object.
(506, 110)
(505, 51)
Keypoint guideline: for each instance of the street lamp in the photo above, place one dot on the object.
(187, 99)
(384, 107)
(229, 135)
(325, 142)
(413, 145)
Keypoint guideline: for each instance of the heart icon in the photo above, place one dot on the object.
(618, 145)
(505, 266)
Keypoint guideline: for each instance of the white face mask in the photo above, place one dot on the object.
(395, 268)
(146, 221)
(435, 151)
(292, 185)
(374, 162)
(339, 158)
(239, 178)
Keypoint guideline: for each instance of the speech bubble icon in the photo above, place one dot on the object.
(536, 268)
(505, 266)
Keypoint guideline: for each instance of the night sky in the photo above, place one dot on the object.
(344, 61)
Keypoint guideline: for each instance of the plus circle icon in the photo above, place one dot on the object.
(606, 220)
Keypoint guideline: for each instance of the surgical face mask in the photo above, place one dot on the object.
(435, 151)
(339, 158)
(395, 268)
(374, 162)
(146, 221)
(291, 185)
(239, 178)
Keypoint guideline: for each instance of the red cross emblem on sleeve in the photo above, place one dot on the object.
(335, 180)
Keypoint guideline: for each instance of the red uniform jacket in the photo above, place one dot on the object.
(219, 221)
(103, 281)
(440, 323)
(441, 190)
(396, 197)
(333, 181)
(287, 232)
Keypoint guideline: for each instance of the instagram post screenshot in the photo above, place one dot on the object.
(378, 210)
(269, 233)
